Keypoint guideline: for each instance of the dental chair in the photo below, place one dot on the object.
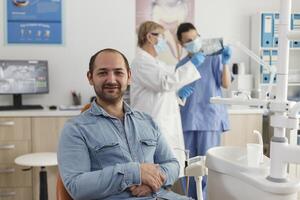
(61, 192)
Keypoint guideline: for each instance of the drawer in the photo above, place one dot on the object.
(16, 193)
(15, 128)
(9, 150)
(12, 175)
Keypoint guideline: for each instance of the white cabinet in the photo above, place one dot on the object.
(45, 137)
(15, 140)
(241, 129)
(22, 133)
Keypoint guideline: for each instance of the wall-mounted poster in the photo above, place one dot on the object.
(34, 21)
(168, 13)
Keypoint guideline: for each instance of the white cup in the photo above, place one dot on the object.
(254, 154)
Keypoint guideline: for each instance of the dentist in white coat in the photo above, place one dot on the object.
(156, 86)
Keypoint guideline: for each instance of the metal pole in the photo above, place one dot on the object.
(43, 184)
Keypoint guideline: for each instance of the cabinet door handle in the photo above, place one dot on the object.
(7, 123)
(7, 146)
(7, 194)
(6, 171)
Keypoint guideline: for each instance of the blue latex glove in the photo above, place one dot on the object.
(185, 91)
(226, 55)
(197, 59)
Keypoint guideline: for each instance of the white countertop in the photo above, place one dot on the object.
(69, 113)
(39, 113)
(245, 110)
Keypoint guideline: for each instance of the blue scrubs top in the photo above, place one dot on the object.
(198, 114)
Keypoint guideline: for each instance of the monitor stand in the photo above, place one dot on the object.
(17, 99)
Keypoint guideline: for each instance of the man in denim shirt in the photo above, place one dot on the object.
(111, 151)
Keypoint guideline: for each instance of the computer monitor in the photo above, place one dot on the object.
(18, 77)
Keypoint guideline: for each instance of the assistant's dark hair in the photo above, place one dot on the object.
(93, 58)
(184, 27)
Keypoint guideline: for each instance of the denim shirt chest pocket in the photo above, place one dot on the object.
(108, 153)
(148, 146)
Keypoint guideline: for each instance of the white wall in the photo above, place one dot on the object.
(90, 25)
(230, 19)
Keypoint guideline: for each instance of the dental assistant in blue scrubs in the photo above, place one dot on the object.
(203, 122)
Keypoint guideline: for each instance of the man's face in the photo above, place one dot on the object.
(188, 36)
(110, 77)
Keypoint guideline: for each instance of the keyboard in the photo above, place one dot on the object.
(23, 107)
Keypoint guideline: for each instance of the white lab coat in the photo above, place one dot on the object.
(153, 91)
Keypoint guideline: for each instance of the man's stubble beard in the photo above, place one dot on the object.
(108, 98)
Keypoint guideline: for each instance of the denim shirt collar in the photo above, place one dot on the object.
(98, 110)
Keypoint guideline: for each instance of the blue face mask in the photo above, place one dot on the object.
(161, 45)
(193, 46)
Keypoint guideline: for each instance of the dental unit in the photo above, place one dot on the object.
(227, 171)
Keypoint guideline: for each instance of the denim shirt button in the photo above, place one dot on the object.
(124, 185)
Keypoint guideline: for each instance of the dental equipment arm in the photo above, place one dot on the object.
(271, 68)
(294, 111)
(250, 53)
(236, 101)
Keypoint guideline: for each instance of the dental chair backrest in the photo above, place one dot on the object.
(61, 192)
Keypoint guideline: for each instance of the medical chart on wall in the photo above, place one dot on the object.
(34, 21)
(168, 13)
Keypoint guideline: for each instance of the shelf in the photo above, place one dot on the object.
(276, 48)
(289, 84)
(294, 84)
(267, 84)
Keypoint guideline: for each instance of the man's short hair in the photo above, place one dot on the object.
(145, 28)
(93, 58)
(184, 27)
